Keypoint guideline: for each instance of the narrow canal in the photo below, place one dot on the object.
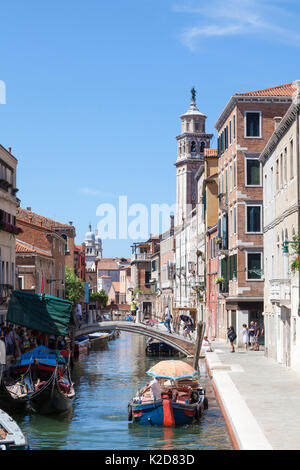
(105, 381)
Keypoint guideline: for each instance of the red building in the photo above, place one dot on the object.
(79, 261)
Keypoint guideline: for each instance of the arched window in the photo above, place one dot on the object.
(202, 146)
(193, 146)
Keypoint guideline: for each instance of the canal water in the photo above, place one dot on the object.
(105, 381)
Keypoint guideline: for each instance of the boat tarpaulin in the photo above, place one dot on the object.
(40, 312)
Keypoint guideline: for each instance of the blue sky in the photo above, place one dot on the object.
(94, 91)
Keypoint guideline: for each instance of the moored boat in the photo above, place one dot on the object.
(156, 348)
(11, 436)
(81, 346)
(171, 398)
(98, 340)
(53, 396)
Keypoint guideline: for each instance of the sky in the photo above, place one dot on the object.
(94, 91)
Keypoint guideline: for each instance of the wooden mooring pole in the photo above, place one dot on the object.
(198, 345)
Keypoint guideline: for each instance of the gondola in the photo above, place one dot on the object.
(53, 396)
(13, 393)
(158, 348)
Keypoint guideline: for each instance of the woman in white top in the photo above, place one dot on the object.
(245, 334)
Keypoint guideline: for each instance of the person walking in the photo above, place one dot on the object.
(245, 334)
(133, 309)
(231, 335)
(256, 337)
(251, 333)
(168, 318)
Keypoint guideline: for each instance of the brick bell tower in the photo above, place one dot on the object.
(191, 144)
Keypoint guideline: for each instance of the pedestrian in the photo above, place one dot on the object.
(188, 328)
(133, 308)
(10, 342)
(251, 332)
(231, 335)
(168, 318)
(245, 334)
(256, 337)
(78, 315)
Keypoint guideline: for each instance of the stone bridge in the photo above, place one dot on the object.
(178, 342)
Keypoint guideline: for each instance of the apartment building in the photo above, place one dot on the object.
(8, 227)
(244, 128)
(281, 178)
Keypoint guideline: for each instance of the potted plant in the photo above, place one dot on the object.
(219, 280)
(219, 240)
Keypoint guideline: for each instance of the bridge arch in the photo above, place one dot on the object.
(177, 342)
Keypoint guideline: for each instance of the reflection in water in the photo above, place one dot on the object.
(105, 381)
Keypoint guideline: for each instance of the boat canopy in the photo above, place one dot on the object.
(40, 312)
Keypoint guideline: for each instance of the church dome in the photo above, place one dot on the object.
(89, 236)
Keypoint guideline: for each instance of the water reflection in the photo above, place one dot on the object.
(105, 381)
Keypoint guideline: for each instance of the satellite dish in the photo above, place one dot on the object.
(2, 353)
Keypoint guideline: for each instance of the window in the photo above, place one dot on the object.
(193, 146)
(291, 160)
(253, 219)
(197, 126)
(234, 173)
(230, 133)
(254, 267)
(234, 219)
(285, 165)
(202, 146)
(252, 125)
(234, 127)
(277, 175)
(253, 172)
(230, 178)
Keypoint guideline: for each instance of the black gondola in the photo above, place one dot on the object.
(54, 396)
(155, 347)
(14, 394)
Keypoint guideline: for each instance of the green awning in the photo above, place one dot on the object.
(40, 312)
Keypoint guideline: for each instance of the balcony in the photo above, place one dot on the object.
(280, 292)
(141, 256)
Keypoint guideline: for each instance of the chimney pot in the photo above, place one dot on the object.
(277, 120)
(9, 149)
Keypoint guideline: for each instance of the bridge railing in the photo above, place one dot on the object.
(95, 318)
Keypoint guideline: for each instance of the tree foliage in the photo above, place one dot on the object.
(101, 296)
(295, 266)
(74, 286)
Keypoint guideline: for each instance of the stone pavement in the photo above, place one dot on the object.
(261, 398)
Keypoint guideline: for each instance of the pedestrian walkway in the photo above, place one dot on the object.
(260, 397)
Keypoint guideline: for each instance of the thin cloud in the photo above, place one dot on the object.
(238, 17)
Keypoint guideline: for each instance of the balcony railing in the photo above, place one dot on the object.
(141, 256)
(280, 291)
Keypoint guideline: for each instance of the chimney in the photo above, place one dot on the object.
(9, 149)
(277, 121)
(71, 222)
(28, 209)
